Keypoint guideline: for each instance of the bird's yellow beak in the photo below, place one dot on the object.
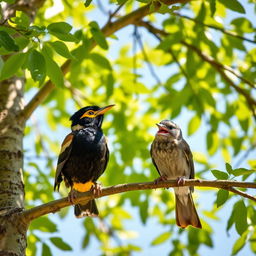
(103, 110)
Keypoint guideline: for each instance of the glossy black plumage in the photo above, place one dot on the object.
(84, 155)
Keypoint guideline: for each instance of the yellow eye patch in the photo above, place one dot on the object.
(89, 113)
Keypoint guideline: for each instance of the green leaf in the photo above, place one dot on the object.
(222, 197)
(58, 242)
(1, 64)
(144, 211)
(87, 3)
(52, 69)
(46, 250)
(240, 243)
(9, 1)
(100, 60)
(109, 85)
(12, 65)
(240, 217)
(194, 124)
(212, 7)
(61, 31)
(59, 27)
(229, 168)
(219, 175)
(37, 66)
(161, 238)
(21, 20)
(242, 171)
(43, 224)
(233, 5)
(7, 42)
(98, 36)
(61, 49)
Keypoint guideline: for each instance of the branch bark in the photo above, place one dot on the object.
(109, 29)
(56, 205)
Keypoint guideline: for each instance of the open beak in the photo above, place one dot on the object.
(162, 128)
(103, 110)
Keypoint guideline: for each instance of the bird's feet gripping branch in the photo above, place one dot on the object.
(181, 181)
(161, 178)
(96, 189)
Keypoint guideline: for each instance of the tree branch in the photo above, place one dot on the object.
(109, 29)
(216, 28)
(215, 64)
(56, 205)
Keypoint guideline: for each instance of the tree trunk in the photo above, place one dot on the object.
(12, 231)
(13, 228)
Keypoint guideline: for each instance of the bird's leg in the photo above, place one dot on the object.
(96, 189)
(72, 195)
(161, 178)
(181, 180)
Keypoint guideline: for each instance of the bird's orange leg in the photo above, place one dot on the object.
(96, 189)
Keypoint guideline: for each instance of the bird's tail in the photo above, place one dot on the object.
(186, 213)
(90, 209)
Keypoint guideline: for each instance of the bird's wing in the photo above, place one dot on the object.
(65, 151)
(154, 160)
(189, 157)
(106, 154)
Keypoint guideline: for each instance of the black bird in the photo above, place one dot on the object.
(173, 159)
(84, 156)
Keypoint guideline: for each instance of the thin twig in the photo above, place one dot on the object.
(245, 155)
(150, 67)
(157, 31)
(109, 29)
(56, 205)
(241, 193)
(216, 28)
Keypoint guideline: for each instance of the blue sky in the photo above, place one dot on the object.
(71, 229)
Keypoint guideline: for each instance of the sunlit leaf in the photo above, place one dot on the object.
(233, 5)
(222, 197)
(194, 124)
(58, 242)
(7, 42)
(161, 238)
(46, 250)
(220, 175)
(98, 35)
(37, 66)
(12, 65)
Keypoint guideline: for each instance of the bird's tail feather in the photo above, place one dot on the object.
(186, 213)
(90, 209)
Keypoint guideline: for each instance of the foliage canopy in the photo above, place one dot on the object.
(193, 63)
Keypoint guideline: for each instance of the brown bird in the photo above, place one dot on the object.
(173, 159)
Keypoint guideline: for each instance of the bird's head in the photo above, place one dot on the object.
(88, 116)
(169, 130)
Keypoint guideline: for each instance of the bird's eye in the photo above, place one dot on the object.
(91, 113)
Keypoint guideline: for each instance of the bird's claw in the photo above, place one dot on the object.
(161, 178)
(181, 181)
(96, 189)
(72, 195)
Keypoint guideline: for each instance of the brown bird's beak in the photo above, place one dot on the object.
(103, 110)
(162, 127)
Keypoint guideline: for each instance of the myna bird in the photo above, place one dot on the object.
(83, 157)
(173, 159)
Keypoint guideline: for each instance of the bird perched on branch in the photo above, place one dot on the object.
(172, 158)
(83, 158)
